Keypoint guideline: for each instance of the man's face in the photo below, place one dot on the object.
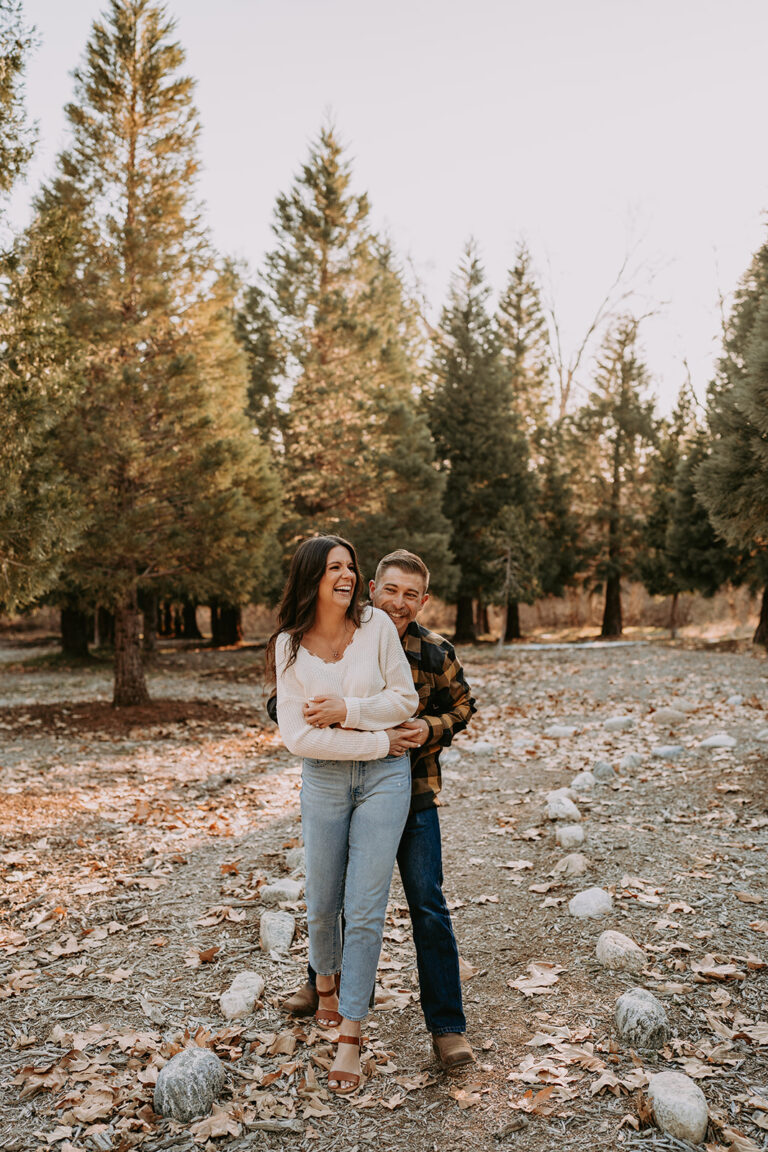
(400, 594)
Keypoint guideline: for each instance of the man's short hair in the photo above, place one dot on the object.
(407, 561)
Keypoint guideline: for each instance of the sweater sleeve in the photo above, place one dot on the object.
(398, 700)
(319, 743)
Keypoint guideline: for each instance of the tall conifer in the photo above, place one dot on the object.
(157, 446)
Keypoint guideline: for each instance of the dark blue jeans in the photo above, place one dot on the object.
(420, 861)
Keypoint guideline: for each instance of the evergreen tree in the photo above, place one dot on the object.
(479, 445)
(615, 430)
(256, 330)
(357, 455)
(526, 362)
(156, 446)
(732, 482)
(558, 526)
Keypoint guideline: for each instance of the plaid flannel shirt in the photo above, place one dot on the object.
(445, 704)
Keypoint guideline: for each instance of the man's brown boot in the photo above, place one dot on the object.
(302, 1002)
(452, 1050)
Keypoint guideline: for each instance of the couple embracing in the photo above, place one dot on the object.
(368, 697)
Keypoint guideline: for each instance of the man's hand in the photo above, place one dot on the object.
(323, 711)
(402, 740)
(420, 728)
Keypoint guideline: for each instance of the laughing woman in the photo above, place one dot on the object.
(342, 680)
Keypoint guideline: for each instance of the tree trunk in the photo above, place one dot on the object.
(512, 627)
(228, 629)
(130, 685)
(166, 619)
(612, 611)
(178, 622)
(106, 628)
(465, 625)
(149, 607)
(75, 626)
(673, 616)
(190, 630)
(761, 633)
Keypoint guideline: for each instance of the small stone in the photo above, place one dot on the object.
(450, 756)
(561, 731)
(667, 717)
(569, 835)
(631, 761)
(735, 701)
(590, 903)
(619, 952)
(618, 723)
(574, 864)
(294, 859)
(641, 1019)
(679, 1106)
(561, 807)
(721, 740)
(480, 748)
(276, 931)
(763, 735)
(584, 782)
(667, 751)
(188, 1084)
(603, 771)
(281, 892)
(242, 994)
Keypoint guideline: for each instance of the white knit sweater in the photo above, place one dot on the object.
(373, 677)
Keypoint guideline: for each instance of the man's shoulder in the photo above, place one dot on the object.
(430, 647)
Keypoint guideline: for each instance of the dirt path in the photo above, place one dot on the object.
(134, 848)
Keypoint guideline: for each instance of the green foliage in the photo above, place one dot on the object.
(557, 525)
(16, 136)
(480, 447)
(356, 453)
(524, 346)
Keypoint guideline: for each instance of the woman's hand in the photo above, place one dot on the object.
(323, 711)
(404, 738)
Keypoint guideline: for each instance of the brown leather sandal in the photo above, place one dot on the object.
(328, 1017)
(348, 1082)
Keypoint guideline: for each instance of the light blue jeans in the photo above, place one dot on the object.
(352, 813)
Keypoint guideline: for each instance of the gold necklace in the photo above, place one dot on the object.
(335, 652)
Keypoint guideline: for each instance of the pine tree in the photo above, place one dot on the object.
(157, 446)
(357, 455)
(558, 528)
(732, 482)
(616, 430)
(479, 445)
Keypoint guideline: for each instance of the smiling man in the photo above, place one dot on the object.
(400, 589)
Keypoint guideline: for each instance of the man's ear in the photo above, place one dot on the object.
(371, 587)
(424, 600)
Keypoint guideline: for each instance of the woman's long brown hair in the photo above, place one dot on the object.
(296, 613)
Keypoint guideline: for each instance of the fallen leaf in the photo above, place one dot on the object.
(543, 976)
(749, 897)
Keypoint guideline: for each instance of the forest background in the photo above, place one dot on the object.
(176, 421)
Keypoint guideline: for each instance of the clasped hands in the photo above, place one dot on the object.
(325, 711)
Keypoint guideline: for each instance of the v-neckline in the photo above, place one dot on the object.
(347, 647)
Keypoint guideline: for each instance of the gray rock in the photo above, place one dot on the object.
(480, 748)
(242, 994)
(450, 756)
(641, 1019)
(574, 864)
(667, 751)
(619, 953)
(276, 931)
(569, 835)
(763, 735)
(281, 892)
(720, 740)
(735, 701)
(294, 859)
(592, 902)
(561, 731)
(679, 1106)
(631, 761)
(561, 807)
(188, 1084)
(584, 782)
(603, 771)
(668, 717)
(618, 723)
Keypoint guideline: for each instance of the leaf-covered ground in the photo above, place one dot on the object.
(134, 846)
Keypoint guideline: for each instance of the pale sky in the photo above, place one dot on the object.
(588, 127)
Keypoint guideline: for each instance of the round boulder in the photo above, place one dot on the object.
(641, 1019)
(679, 1106)
(569, 835)
(590, 903)
(619, 953)
(188, 1084)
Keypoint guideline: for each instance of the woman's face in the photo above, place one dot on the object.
(337, 585)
